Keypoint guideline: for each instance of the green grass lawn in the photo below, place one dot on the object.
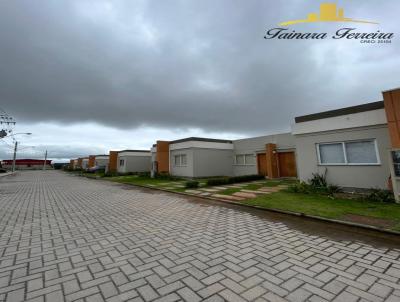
(256, 186)
(385, 215)
(325, 206)
(134, 179)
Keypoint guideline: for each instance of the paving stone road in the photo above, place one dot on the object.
(67, 238)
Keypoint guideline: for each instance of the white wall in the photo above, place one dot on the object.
(134, 163)
(363, 176)
(347, 121)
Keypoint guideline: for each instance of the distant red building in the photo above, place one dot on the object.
(26, 164)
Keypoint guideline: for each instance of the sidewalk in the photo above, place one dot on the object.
(6, 174)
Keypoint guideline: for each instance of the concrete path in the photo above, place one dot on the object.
(6, 174)
(67, 238)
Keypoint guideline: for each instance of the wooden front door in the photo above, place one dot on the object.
(287, 164)
(262, 164)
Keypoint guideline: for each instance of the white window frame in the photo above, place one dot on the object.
(346, 163)
(123, 162)
(180, 164)
(244, 159)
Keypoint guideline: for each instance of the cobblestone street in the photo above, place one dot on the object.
(68, 238)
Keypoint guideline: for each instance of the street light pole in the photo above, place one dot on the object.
(16, 148)
(15, 155)
(45, 159)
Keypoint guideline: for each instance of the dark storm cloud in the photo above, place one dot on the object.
(182, 64)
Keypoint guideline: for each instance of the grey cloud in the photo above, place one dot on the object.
(182, 64)
(55, 152)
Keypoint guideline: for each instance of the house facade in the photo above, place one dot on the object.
(200, 157)
(349, 145)
(194, 157)
(85, 163)
(101, 161)
(271, 155)
(73, 163)
(392, 108)
(133, 161)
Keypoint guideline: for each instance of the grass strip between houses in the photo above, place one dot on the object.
(382, 215)
(385, 215)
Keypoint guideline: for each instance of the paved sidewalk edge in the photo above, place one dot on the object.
(7, 174)
(353, 224)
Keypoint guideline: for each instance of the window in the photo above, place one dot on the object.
(363, 152)
(180, 160)
(331, 154)
(121, 162)
(249, 159)
(177, 159)
(396, 162)
(239, 159)
(183, 160)
(245, 159)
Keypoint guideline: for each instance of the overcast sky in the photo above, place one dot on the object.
(89, 76)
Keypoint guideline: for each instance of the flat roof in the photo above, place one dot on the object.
(144, 151)
(201, 139)
(389, 90)
(339, 112)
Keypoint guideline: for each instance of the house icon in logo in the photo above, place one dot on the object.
(328, 13)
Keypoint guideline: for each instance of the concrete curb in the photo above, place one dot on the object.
(7, 174)
(352, 224)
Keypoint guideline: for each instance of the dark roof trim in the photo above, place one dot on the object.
(201, 139)
(339, 112)
(144, 151)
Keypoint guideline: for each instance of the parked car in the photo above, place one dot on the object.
(95, 169)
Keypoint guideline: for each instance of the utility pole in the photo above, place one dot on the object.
(15, 155)
(45, 160)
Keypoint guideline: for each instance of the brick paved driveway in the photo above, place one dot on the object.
(68, 238)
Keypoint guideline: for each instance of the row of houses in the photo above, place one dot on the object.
(354, 146)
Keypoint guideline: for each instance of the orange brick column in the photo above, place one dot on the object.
(392, 108)
(79, 165)
(271, 158)
(162, 156)
(112, 161)
(91, 161)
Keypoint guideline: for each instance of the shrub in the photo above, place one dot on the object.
(218, 181)
(300, 187)
(192, 184)
(143, 174)
(225, 180)
(165, 176)
(244, 178)
(317, 184)
(110, 174)
(381, 195)
(318, 180)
